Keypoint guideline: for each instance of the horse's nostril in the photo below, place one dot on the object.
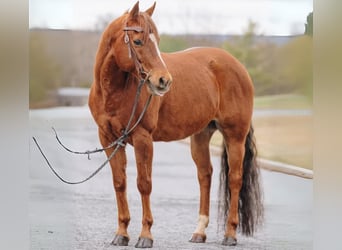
(162, 82)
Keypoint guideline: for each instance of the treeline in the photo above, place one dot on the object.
(275, 68)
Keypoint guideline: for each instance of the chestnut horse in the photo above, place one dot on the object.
(194, 92)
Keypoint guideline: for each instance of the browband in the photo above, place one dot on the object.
(134, 28)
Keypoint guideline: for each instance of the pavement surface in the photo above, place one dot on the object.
(84, 216)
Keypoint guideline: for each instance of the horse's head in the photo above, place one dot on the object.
(136, 49)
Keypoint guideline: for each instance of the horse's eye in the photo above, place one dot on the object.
(138, 42)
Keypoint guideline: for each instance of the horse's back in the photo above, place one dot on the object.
(217, 64)
(203, 56)
(213, 65)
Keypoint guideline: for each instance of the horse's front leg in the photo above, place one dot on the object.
(118, 166)
(143, 148)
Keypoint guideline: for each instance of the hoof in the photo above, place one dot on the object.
(120, 240)
(198, 238)
(144, 243)
(229, 241)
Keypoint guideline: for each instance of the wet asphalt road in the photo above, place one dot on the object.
(84, 216)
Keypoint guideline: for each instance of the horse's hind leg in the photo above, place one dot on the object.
(201, 156)
(118, 165)
(234, 137)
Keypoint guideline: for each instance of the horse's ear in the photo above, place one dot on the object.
(135, 11)
(151, 9)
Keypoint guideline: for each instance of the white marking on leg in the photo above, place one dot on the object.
(154, 40)
(203, 222)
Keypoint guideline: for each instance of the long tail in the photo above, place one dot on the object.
(250, 202)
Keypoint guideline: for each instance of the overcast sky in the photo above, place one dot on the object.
(274, 17)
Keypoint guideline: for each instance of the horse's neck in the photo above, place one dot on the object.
(106, 70)
(112, 85)
(110, 82)
(108, 75)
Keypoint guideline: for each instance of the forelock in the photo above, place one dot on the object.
(147, 25)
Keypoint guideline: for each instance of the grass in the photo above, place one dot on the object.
(288, 101)
(285, 139)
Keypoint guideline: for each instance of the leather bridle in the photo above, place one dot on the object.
(131, 51)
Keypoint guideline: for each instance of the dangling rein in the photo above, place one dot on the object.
(120, 142)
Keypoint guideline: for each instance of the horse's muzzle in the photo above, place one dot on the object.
(161, 86)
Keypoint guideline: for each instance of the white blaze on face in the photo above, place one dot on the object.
(203, 221)
(154, 40)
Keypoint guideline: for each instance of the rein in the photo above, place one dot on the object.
(120, 142)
